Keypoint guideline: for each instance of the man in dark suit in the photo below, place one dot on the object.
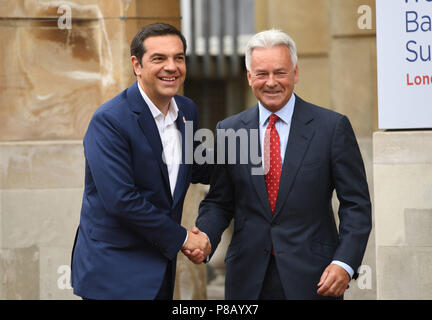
(136, 179)
(285, 243)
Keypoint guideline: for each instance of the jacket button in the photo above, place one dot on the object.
(266, 252)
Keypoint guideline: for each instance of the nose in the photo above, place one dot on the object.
(170, 65)
(271, 82)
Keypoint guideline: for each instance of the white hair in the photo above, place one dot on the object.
(268, 39)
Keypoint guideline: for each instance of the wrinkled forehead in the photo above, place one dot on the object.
(275, 57)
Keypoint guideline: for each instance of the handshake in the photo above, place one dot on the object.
(197, 246)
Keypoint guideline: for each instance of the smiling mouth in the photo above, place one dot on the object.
(171, 79)
(272, 92)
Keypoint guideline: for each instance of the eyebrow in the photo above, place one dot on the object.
(157, 54)
(278, 69)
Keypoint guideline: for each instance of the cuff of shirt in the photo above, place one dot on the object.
(345, 266)
(208, 257)
(187, 235)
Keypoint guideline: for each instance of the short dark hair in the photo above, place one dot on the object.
(137, 48)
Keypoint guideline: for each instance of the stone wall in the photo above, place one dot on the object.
(51, 82)
(403, 206)
(41, 192)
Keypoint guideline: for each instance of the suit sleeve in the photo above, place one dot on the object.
(108, 152)
(349, 178)
(217, 209)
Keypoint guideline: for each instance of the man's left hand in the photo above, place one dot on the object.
(334, 281)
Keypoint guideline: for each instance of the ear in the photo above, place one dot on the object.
(249, 77)
(296, 74)
(136, 65)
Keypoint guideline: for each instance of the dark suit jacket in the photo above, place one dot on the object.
(130, 223)
(321, 155)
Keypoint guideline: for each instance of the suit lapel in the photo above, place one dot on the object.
(149, 128)
(300, 136)
(181, 177)
(251, 121)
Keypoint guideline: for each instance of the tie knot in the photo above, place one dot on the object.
(273, 119)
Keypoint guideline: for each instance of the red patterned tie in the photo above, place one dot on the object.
(272, 161)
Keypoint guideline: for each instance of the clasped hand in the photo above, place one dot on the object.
(197, 246)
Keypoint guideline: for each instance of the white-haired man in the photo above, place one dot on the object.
(286, 244)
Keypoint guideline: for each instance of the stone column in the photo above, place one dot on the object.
(54, 76)
(191, 279)
(403, 214)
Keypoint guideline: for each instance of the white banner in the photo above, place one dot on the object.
(404, 56)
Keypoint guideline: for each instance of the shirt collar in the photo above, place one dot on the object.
(172, 109)
(285, 113)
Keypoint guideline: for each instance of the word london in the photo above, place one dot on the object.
(417, 80)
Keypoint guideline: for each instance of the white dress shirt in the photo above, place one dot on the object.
(283, 127)
(170, 137)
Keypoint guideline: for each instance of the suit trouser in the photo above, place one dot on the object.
(166, 290)
(272, 288)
